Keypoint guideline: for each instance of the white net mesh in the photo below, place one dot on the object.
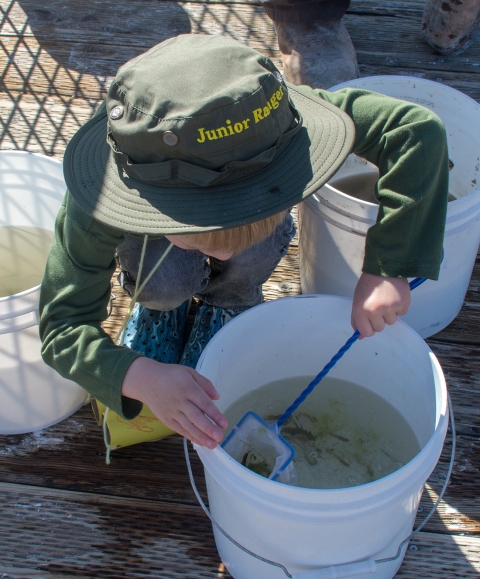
(258, 446)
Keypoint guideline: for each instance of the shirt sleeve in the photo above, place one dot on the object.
(74, 297)
(408, 144)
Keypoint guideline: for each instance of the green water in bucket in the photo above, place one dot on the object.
(260, 446)
(344, 435)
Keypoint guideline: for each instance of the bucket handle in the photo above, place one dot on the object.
(339, 571)
(336, 571)
(19, 323)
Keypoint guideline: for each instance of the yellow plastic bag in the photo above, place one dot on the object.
(120, 432)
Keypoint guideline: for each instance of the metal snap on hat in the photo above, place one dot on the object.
(201, 133)
(116, 112)
(170, 138)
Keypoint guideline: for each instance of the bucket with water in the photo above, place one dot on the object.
(33, 395)
(334, 221)
(319, 533)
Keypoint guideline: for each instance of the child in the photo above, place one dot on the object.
(200, 149)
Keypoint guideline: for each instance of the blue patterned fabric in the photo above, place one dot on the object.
(156, 328)
(157, 334)
(208, 320)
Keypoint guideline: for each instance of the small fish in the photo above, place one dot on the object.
(292, 431)
(339, 458)
(272, 418)
(339, 437)
(256, 463)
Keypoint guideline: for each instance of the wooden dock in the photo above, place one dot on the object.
(66, 514)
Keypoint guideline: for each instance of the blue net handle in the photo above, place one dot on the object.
(348, 344)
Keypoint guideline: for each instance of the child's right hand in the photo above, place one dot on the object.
(378, 301)
(178, 396)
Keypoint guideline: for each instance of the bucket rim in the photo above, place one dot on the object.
(455, 203)
(6, 153)
(20, 295)
(390, 77)
(403, 474)
(345, 196)
(51, 160)
(334, 505)
(411, 464)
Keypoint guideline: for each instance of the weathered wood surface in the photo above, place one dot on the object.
(88, 535)
(57, 60)
(65, 513)
(71, 456)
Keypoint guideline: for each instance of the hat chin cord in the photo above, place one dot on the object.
(120, 336)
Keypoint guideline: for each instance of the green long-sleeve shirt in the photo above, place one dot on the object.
(406, 142)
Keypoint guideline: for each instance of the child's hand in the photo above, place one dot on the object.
(178, 396)
(378, 301)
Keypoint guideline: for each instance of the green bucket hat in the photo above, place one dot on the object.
(201, 133)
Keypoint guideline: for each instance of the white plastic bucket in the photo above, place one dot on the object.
(308, 529)
(33, 396)
(333, 224)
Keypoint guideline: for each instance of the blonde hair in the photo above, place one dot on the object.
(236, 239)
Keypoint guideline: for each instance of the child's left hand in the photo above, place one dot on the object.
(378, 301)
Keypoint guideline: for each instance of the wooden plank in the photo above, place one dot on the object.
(86, 40)
(71, 456)
(61, 69)
(461, 366)
(65, 68)
(464, 328)
(70, 22)
(90, 536)
(453, 516)
(431, 555)
(84, 535)
(387, 8)
(74, 61)
(84, 52)
(41, 123)
(397, 42)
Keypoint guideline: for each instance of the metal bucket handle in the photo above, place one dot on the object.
(335, 571)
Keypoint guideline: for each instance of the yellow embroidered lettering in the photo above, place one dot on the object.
(222, 132)
(273, 101)
(257, 115)
(202, 136)
(211, 135)
(266, 111)
(229, 127)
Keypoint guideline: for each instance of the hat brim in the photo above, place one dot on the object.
(312, 157)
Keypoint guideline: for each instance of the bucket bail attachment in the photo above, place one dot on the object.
(367, 566)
